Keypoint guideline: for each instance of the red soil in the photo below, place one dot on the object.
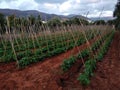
(39, 76)
(42, 75)
(107, 73)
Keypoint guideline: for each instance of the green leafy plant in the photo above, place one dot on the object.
(84, 79)
(68, 63)
(90, 64)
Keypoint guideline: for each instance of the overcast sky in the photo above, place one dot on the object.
(63, 7)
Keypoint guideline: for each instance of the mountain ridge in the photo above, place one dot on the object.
(44, 16)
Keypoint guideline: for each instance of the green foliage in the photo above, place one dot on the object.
(11, 19)
(80, 41)
(2, 22)
(8, 58)
(28, 60)
(111, 22)
(84, 79)
(99, 22)
(48, 47)
(83, 54)
(23, 62)
(20, 55)
(88, 71)
(68, 63)
(76, 21)
(90, 64)
(117, 10)
(39, 20)
(54, 22)
(104, 49)
(31, 19)
(117, 15)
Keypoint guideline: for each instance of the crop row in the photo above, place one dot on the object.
(8, 55)
(42, 39)
(41, 56)
(90, 64)
(36, 44)
(67, 64)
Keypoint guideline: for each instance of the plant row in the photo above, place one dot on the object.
(67, 63)
(42, 39)
(90, 64)
(66, 45)
(41, 56)
(35, 44)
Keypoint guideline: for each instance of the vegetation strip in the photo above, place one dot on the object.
(67, 63)
(90, 64)
(8, 54)
(28, 60)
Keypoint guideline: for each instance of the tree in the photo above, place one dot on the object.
(111, 22)
(84, 22)
(117, 15)
(99, 22)
(11, 19)
(2, 23)
(67, 22)
(54, 22)
(39, 20)
(76, 21)
(31, 19)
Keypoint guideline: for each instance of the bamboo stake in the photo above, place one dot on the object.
(8, 24)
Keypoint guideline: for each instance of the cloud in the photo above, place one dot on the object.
(63, 7)
(69, 5)
(50, 1)
(90, 1)
(97, 13)
(19, 4)
(53, 6)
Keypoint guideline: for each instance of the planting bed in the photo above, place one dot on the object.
(49, 75)
(106, 75)
(41, 75)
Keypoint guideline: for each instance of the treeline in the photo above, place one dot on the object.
(18, 23)
(116, 14)
(36, 23)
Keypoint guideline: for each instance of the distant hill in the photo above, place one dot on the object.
(102, 18)
(44, 16)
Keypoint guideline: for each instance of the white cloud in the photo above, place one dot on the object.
(28, 4)
(90, 1)
(52, 6)
(107, 13)
(63, 7)
(69, 5)
(20, 4)
(78, 1)
(4, 5)
(97, 13)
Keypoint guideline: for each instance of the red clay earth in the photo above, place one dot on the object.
(41, 76)
(106, 75)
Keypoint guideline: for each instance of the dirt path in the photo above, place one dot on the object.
(107, 74)
(40, 76)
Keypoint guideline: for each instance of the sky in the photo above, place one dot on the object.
(94, 8)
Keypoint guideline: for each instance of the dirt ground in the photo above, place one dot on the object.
(42, 75)
(107, 73)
